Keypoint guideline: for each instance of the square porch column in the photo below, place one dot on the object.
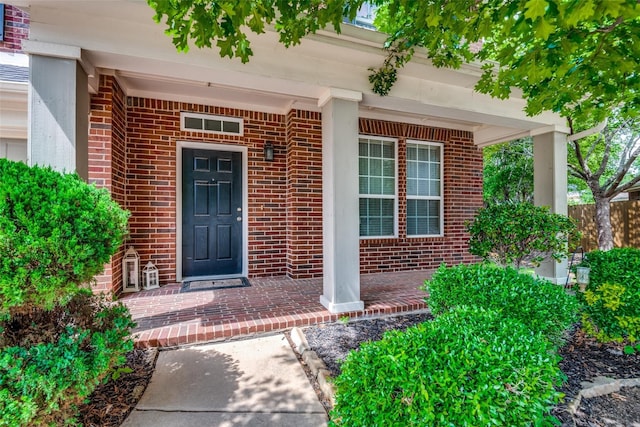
(58, 108)
(340, 198)
(550, 189)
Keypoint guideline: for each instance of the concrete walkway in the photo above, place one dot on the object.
(253, 382)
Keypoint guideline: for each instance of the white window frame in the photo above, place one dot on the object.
(186, 114)
(394, 141)
(440, 198)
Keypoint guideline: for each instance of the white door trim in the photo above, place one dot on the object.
(245, 203)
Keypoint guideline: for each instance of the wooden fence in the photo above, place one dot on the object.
(625, 224)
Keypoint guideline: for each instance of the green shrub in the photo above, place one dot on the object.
(520, 234)
(537, 303)
(611, 302)
(56, 233)
(468, 367)
(58, 340)
(51, 360)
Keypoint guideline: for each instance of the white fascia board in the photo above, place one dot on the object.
(55, 50)
(337, 93)
(490, 135)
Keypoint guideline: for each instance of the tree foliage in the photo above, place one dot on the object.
(575, 57)
(508, 172)
(607, 163)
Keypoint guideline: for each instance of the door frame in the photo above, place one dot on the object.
(245, 206)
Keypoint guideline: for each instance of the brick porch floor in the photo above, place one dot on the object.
(165, 317)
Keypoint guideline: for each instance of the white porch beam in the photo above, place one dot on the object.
(550, 188)
(341, 235)
(58, 113)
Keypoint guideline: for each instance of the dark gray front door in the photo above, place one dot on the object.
(211, 212)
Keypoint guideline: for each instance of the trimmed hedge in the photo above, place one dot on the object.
(611, 302)
(520, 234)
(57, 339)
(537, 303)
(56, 233)
(468, 367)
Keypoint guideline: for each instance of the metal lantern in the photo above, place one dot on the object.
(582, 277)
(150, 276)
(131, 271)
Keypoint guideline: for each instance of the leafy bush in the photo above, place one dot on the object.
(537, 303)
(51, 360)
(469, 367)
(611, 308)
(58, 340)
(520, 234)
(56, 232)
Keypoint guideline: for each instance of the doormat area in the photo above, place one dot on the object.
(208, 285)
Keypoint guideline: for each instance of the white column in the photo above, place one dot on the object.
(58, 109)
(550, 189)
(341, 230)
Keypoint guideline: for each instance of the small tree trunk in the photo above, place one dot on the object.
(603, 224)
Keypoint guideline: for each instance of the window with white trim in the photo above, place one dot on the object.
(378, 187)
(424, 189)
(211, 124)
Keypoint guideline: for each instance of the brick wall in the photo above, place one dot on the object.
(16, 29)
(107, 137)
(304, 194)
(136, 140)
(462, 196)
(152, 132)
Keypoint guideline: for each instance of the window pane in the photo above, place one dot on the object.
(364, 166)
(232, 127)
(434, 171)
(389, 168)
(215, 125)
(389, 186)
(192, 123)
(375, 186)
(412, 187)
(364, 185)
(375, 167)
(412, 152)
(435, 188)
(423, 170)
(423, 154)
(364, 148)
(375, 150)
(412, 170)
(388, 151)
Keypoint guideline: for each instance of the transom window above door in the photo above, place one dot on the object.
(378, 187)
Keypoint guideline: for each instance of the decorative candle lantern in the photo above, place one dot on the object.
(131, 271)
(582, 277)
(150, 279)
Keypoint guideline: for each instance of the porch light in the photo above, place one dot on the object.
(582, 277)
(131, 271)
(150, 279)
(268, 152)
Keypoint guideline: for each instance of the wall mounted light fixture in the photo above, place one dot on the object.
(268, 152)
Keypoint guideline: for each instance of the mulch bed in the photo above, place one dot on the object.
(111, 402)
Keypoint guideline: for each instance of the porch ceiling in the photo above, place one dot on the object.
(121, 38)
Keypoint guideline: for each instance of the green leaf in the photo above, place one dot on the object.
(535, 9)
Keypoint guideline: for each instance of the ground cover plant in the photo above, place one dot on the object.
(520, 234)
(536, 302)
(58, 340)
(611, 308)
(468, 367)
